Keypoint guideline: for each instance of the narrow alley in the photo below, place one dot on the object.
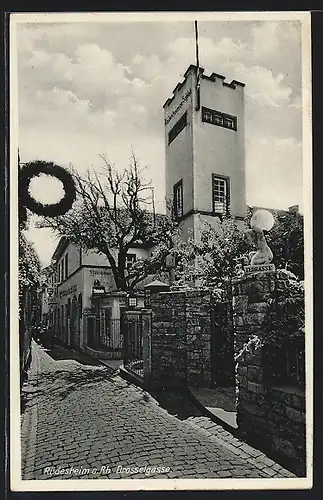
(80, 419)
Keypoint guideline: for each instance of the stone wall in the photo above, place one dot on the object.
(269, 417)
(181, 338)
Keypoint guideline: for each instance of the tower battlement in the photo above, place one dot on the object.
(214, 77)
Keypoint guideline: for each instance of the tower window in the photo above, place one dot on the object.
(220, 194)
(178, 198)
(229, 122)
(178, 127)
(217, 118)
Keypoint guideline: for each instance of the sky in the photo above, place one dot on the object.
(92, 88)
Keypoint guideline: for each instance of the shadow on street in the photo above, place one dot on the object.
(58, 353)
(59, 383)
(177, 403)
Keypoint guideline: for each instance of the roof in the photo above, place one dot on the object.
(64, 241)
(62, 245)
(156, 283)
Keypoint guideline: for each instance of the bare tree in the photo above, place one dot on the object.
(110, 216)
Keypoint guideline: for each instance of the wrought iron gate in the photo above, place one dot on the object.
(133, 344)
(222, 347)
(105, 334)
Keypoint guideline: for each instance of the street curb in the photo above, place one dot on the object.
(131, 377)
(101, 361)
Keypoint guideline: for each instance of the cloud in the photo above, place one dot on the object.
(149, 68)
(270, 38)
(274, 171)
(95, 77)
(234, 60)
(265, 39)
(90, 72)
(262, 87)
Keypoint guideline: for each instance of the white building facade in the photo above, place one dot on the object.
(72, 308)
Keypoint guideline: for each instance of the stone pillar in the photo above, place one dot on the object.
(250, 295)
(168, 340)
(267, 423)
(249, 302)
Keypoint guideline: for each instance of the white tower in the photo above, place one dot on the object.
(205, 148)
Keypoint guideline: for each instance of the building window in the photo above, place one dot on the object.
(80, 306)
(178, 127)
(220, 194)
(130, 260)
(178, 199)
(217, 118)
(66, 266)
(62, 322)
(58, 322)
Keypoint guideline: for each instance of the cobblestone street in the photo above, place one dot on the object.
(79, 414)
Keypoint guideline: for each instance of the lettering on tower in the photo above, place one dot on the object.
(180, 105)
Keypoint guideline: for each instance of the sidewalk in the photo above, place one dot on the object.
(218, 402)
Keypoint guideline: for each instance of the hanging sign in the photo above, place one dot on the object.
(98, 291)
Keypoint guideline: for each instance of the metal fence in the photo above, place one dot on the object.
(105, 334)
(133, 345)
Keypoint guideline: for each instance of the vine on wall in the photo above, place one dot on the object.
(284, 322)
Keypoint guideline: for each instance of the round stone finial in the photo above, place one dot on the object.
(262, 219)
